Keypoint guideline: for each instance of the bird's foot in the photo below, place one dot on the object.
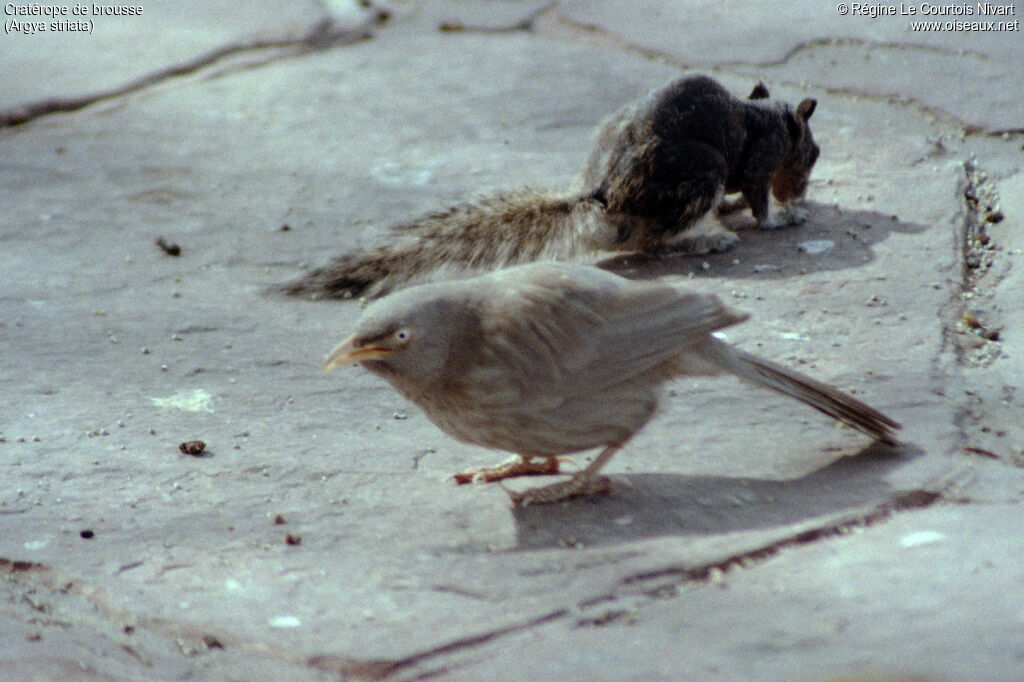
(579, 485)
(516, 466)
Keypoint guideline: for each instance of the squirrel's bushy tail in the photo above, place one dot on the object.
(489, 233)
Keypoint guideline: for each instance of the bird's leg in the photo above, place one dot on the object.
(520, 465)
(586, 482)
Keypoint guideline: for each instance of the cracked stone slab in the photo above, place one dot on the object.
(119, 352)
(61, 70)
(781, 30)
(992, 347)
(850, 607)
(965, 75)
(477, 16)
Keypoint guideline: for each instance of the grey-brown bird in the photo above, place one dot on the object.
(549, 359)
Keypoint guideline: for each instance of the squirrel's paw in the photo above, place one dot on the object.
(790, 215)
(729, 206)
(700, 244)
(795, 215)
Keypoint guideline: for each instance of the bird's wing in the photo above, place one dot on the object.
(555, 325)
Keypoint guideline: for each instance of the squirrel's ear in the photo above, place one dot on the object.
(806, 108)
(759, 91)
(795, 125)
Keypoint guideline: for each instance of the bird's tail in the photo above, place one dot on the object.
(489, 233)
(816, 394)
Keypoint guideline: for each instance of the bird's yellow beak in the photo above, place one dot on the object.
(346, 353)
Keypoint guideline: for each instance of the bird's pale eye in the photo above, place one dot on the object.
(402, 335)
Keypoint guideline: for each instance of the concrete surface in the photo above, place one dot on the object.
(318, 538)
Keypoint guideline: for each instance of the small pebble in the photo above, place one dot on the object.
(716, 576)
(168, 248)
(193, 447)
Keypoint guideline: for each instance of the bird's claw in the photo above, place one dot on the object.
(517, 466)
(577, 486)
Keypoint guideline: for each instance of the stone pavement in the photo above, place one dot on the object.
(317, 536)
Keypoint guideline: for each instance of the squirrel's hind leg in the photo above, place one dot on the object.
(707, 236)
(703, 234)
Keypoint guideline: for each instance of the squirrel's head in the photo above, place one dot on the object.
(790, 181)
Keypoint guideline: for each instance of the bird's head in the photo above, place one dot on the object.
(416, 333)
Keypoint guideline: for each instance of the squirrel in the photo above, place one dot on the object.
(659, 165)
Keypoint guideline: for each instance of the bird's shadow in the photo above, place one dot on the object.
(830, 239)
(656, 505)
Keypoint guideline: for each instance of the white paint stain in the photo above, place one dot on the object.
(816, 246)
(197, 400)
(395, 174)
(924, 537)
(285, 622)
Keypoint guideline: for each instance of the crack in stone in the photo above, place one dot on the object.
(973, 335)
(599, 35)
(383, 669)
(971, 329)
(935, 112)
(861, 42)
(48, 587)
(913, 499)
(12, 566)
(631, 595)
(323, 35)
(193, 639)
(609, 37)
(526, 24)
(595, 33)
